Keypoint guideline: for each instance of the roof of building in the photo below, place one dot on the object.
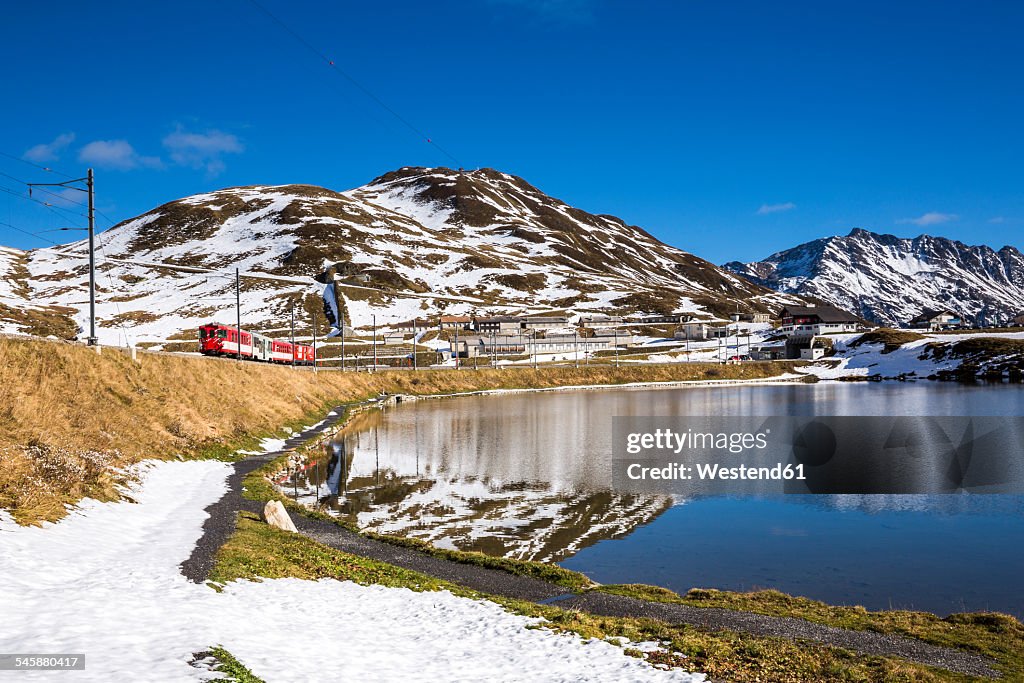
(499, 319)
(455, 319)
(827, 314)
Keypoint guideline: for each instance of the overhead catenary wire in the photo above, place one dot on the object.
(35, 165)
(348, 77)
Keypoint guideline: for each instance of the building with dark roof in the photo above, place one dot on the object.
(936, 319)
(810, 321)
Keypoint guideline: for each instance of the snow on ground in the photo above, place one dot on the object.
(869, 360)
(105, 582)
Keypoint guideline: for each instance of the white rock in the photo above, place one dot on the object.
(277, 516)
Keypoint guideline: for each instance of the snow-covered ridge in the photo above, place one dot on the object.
(890, 280)
(480, 234)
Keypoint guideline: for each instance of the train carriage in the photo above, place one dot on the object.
(221, 340)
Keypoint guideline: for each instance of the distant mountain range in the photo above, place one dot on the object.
(890, 280)
(481, 234)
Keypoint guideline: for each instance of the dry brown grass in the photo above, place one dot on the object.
(68, 415)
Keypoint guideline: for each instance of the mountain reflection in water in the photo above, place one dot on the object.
(485, 495)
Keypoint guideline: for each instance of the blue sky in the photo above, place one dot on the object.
(729, 129)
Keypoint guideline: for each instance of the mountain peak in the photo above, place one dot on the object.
(890, 279)
(480, 234)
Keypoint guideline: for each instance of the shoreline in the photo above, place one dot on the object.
(781, 379)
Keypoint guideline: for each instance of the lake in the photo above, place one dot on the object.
(529, 476)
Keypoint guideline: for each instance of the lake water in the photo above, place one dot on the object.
(529, 476)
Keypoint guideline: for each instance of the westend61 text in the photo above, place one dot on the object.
(712, 471)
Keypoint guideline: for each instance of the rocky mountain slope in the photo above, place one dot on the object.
(890, 280)
(485, 235)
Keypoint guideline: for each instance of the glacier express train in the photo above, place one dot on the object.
(220, 340)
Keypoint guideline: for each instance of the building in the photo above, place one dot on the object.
(805, 322)
(768, 352)
(601, 321)
(454, 322)
(517, 345)
(545, 322)
(620, 337)
(751, 317)
(502, 345)
(568, 343)
(931, 319)
(692, 331)
(502, 324)
(673, 319)
(698, 331)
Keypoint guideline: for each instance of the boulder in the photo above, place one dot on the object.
(277, 516)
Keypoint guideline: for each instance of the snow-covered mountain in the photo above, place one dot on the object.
(481, 234)
(890, 279)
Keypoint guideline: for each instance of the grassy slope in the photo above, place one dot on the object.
(258, 551)
(998, 635)
(68, 416)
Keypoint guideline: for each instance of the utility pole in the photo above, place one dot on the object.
(314, 340)
(414, 333)
(342, 316)
(576, 345)
(293, 334)
(238, 312)
(616, 333)
(90, 184)
(374, 342)
(90, 189)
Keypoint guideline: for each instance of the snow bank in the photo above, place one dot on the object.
(104, 581)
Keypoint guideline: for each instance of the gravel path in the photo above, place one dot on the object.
(221, 524)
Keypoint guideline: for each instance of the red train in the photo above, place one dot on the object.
(220, 340)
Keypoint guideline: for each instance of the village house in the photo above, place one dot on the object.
(620, 337)
(805, 322)
(600, 321)
(768, 352)
(570, 343)
(545, 322)
(502, 324)
(751, 317)
(673, 319)
(814, 350)
(454, 322)
(700, 331)
(509, 344)
(934, 320)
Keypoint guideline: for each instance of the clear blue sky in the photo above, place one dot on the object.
(729, 129)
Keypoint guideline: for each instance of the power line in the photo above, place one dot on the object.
(51, 207)
(41, 189)
(40, 167)
(366, 91)
(33, 234)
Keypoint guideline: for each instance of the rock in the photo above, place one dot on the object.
(277, 516)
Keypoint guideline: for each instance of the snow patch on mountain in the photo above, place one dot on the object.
(480, 235)
(891, 280)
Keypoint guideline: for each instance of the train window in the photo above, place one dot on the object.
(222, 334)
